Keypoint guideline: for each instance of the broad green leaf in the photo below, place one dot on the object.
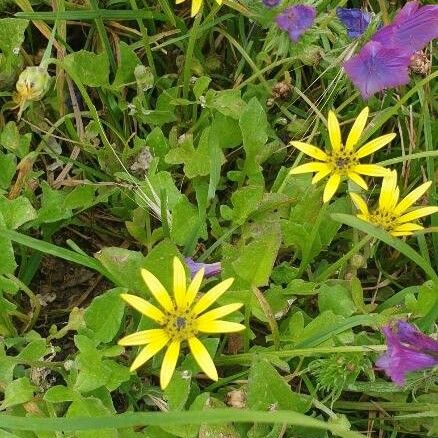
(201, 85)
(178, 390)
(267, 389)
(16, 212)
(15, 142)
(257, 258)
(84, 63)
(128, 61)
(12, 34)
(335, 298)
(90, 407)
(124, 266)
(80, 197)
(245, 201)
(8, 164)
(157, 142)
(227, 102)
(52, 205)
(7, 259)
(60, 394)
(253, 124)
(104, 315)
(17, 392)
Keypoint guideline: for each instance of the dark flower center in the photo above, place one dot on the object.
(180, 323)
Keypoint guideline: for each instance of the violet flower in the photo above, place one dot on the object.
(412, 28)
(384, 61)
(210, 269)
(271, 3)
(296, 19)
(377, 67)
(408, 350)
(355, 20)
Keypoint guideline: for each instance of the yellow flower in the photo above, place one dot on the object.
(196, 5)
(180, 319)
(392, 215)
(342, 160)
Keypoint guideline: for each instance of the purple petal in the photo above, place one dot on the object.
(408, 334)
(271, 3)
(296, 19)
(411, 30)
(210, 269)
(400, 359)
(375, 68)
(409, 9)
(355, 20)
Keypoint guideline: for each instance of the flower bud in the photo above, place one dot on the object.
(32, 83)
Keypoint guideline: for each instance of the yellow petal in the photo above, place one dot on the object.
(359, 203)
(407, 227)
(310, 150)
(143, 307)
(401, 233)
(196, 5)
(310, 167)
(149, 351)
(194, 286)
(334, 131)
(179, 282)
(417, 213)
(179, 1)
(211, 296)
(374, 145)
(370, 170)
(143, 337)
(355, 177)
(331, 186)
(219, 312)
(388, 191)
(203, 358)
(219, 326)
(157, 290)
(321, 175)
(412, 197)
(357, 129)
(219, 2)
(169, 363)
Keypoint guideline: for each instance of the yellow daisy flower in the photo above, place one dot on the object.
(342, 160)
(180, 319)
(196, 5)
(392, 215)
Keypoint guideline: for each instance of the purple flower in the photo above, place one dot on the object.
(271, 3)
(377, 67)
(355, 20)
(413, 27)
(210, 269)
(296, 19)
(384, 61)
(408, 350)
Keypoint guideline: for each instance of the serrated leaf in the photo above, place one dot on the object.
(12, 34)
(83, 65)
(17, 392)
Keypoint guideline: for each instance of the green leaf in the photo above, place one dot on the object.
(8, 164)
(124, 266)
(196, 161)
(7, 259)
(201, 85)
(59, 394)
(90, 407)
(84, 63)
(12, 34)
(13, 141)
(16, 212)
(52, 205)
(257, 259)
(267, 390)
(17, 392)
(185, 220)
(104, 315)
(227, 102)
(337, 299)
(254, 125)
(178, 390)
(128, 61)
(245, 201)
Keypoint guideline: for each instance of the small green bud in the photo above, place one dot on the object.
(144, 77)
(358, 261)
(32, 83)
